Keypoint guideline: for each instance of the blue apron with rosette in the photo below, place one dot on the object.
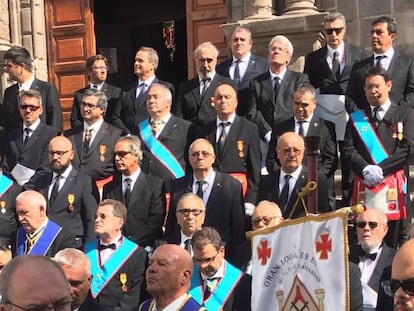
(221, 292)
(103, 274)
(42, 244)
(159, 151)
(5, 184)
(390, 195)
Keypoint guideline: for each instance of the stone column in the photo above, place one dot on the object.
(258, 9)
(4, 41)
(302, 7)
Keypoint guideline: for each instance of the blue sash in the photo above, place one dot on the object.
(5, 184)
(221, 293)
(189, 305)
(42, 244)
(159, 151)
(368, 136)
(103, 274)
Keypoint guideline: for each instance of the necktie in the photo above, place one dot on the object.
(210, 284)
(376, 117)
(336, 68)
(284, 194)
(237, 71)
(378, 60)
(362, 254)
(94, 86)
(187, 245)
(301, 131)
(141, 92)
(102, 246)
(86, 141)
(127, 193)
(200, 191)
(155, 126)
(55, 191)
(276, 86)
(205, 86)
(27, 132)
(222, 138)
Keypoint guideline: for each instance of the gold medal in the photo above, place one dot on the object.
(392, 195)
(102, 151)
(123, 279)
(3, 207)
(71, 200)
(240, 147)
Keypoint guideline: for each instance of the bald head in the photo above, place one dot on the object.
(225, 101)
(60, 154)
(31, 210)
(266, 214)
(290, 151)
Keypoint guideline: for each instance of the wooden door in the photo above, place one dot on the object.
(204, 18)
(71, 40)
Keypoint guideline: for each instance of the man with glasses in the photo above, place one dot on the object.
(117, 264)
(97, 72)
(371, 254)
(266, 214)
(71, 195)
(222, 196)
(399, 66)
(18, 64)
(143, 194)
(216, 284)
(45, 287)
(27, 144)
(284, 185)
(94, 140)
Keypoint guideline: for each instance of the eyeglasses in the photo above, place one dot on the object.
(58, 152)
(31, 107)
(196, 154)
(121, 154)
(391, 286)
(59, 306)
(372, 224)
(329, 31)
(295, 151)
(206, 261)
(100, 68)
(278, 49)
(89, 105)
(266, 220)
(187, 211)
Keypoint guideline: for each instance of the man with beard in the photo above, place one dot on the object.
(70, 194)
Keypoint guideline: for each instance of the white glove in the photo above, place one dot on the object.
(248, 208)
(372, 175)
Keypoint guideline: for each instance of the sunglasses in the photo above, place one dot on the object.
(372, 224)
(121, 154)
(31, 107)
(187, 211)
(391, 286)
(266, 220)
(329, 31)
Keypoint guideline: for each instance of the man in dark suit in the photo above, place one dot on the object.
(194, 99)
(222, 196)
(216, 284)
(94, 140)
(284, 185)
(164, 137)
(133, 108)
(400, 68)
(18, 64)
(38, 235)
(390, 126)
(97, 72)
(117, 264)
(77, 268)
(237, 143)
(305, 123)
(243, 66)
(69, 193)
(371, 254)
(27, 146)
(143, 194)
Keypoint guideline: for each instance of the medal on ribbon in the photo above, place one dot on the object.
(71, 200)
(102, 151)
(3, 207)
(240, 147)
(123, 279)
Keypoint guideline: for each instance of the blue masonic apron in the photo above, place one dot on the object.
(5, 184)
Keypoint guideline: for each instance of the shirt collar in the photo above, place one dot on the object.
(209, 178)
(33, 127)
(385, 106)
(280, 75)
(245, 58)
(134, 176)
(211, 77)
(307, 120)
(98, 85)
(148, 82)
(65, 174)
(219, 273)
(231, 119)
(117, 241)
(27, 84)
(340, 49)
(40, 228)
(95, 126)
(184, 237)
(164, 119)
(295, 174)
(389, 53)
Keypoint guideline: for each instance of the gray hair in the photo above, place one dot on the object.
(331, 17)
(205, 45)
(118, 208)
(152, 55)
(102, 100)
(134, 145)
(283, 40)
(32, 94)
(73, 258)
(205, 236)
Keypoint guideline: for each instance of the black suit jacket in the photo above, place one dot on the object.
(34, 154)
(224, 212)
(240, 154)
(257, 65)
(145, 209)
(131, 112)
(401, 70)
(174, 136)
(263, 109)
(112, 295)
(113, 95)
(52, 113)
(320, 74)
(385, 302)
(91, 305)
(384, 260)
(78, 217)
(269, 190)
(189, 104)
(8, 219)
(357, 156)
(355, 289)
(93, 164)
(328, 156)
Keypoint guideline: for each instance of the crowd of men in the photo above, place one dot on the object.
(146, 200)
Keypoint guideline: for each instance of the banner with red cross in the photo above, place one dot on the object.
(302, 264)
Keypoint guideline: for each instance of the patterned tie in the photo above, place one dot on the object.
(284, 194)
(200, 191)
(27, 132)
(378, 60)
(55, 191)
(376, 116)
(210, 285)
(222, 138)
(86, 142)
(127, 193)
(336, 68)
(156, 126)
(237, 71)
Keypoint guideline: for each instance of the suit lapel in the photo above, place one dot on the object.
(232, 136)
(35, 136)
(69, 182)
(168, 128)
(283, 84)
(314, 126)
(216, 189)
(98, 137)
(300, 183)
